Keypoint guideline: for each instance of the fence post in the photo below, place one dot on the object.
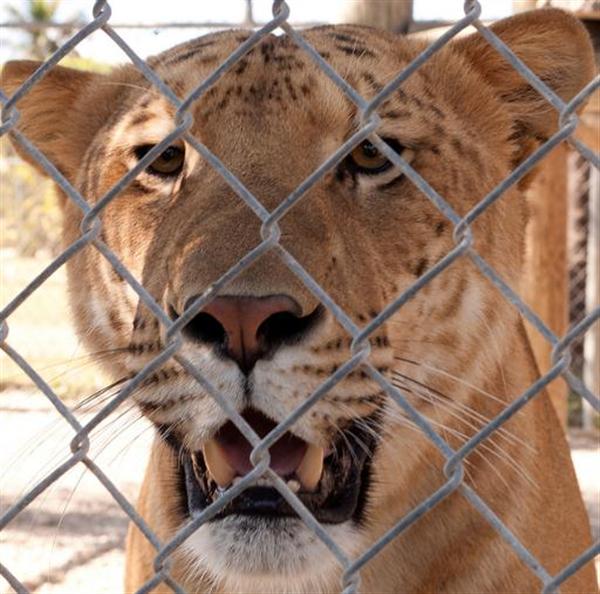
(393, 15)
(591, 344)
(544, 282)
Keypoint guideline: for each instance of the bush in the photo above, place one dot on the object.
(30, 218)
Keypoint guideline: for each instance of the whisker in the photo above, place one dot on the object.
(95, 398)
(453, 377)
(86, 360)
(501, 431)
(490, 445)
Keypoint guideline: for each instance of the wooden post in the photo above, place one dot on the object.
(545, 281)
(523, 5)
(589, 132)
(591, 345)
(393, 15)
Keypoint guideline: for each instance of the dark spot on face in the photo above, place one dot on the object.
(440, 228)
(266, 49)
(116, 276)
(141, 118)
(189, 53)
(435, 149)
(356, 50)
(341, 174)
(439, 131)
(139, 323)
(397, 114)
(115, 321)
(290, 87)
(241, 66)
(345, 38)
(421, 267)
(139, 188)
(437, 111)
(457, 144)
(207, 60)
(370, 80)
(416, 100)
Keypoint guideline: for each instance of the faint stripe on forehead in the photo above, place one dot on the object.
(141, 118)
(188, 52)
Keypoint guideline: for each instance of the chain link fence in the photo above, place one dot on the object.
(578, 226)
(580, 260)
(270, 232)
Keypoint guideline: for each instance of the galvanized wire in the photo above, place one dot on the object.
(270, 234)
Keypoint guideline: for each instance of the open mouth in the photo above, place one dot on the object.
(333, 483)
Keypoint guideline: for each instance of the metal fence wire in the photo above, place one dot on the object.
(270, 233)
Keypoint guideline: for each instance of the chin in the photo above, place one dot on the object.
(261, 554)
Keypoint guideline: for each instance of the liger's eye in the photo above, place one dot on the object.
(366, 158)
(169, 163)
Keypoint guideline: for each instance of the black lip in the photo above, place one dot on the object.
(341, 496)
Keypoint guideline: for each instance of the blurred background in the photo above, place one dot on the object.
(76, 530)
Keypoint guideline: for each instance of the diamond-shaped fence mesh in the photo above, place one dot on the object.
(270, 233)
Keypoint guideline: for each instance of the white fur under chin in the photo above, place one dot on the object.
(248, 555)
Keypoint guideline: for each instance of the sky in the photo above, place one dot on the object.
(152, 41)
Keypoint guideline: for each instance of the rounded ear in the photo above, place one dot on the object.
(63, 111)
(47, 111)
(554, 45)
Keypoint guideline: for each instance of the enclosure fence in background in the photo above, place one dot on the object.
(270, 233)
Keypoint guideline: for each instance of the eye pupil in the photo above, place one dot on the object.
(169, 154)
(369, 149)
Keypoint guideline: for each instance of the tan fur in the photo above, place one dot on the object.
(468, 118)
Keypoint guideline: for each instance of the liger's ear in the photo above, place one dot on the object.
(58, 114)
(554, 45)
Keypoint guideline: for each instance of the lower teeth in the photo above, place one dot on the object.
(292, 484)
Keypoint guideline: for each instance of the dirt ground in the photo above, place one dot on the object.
(70, 540)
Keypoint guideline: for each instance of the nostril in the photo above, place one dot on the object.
(285, 328)
(205, 328)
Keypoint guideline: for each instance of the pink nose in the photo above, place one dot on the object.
(247, 328)
(241, 318)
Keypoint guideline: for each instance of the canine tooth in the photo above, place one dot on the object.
(237, 480)
(217, 464)
(294, 485)
(311, 468)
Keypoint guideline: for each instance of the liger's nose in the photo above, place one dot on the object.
(247, 329)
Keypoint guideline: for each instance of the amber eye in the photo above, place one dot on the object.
(169, 163)
(366, 158)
